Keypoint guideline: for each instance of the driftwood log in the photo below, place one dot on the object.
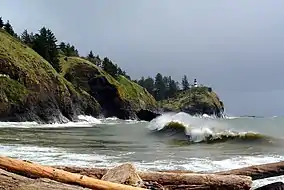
(258, 171)
(255, 172)
(179, 180)
(11, 181)
(35, 170)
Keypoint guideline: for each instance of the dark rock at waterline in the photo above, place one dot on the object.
(147, 115)
(118, 97)
(108, 97)
(31, 90)
(272, 186)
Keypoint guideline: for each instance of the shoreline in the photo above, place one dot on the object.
(33, 175)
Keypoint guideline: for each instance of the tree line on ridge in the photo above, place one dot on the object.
(45, 44)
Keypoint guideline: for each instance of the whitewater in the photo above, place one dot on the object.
(171, 141)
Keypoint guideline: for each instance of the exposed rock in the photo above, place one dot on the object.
(118, 96)
(147, 115)
(34, 91)
(124, 174)
(195, 101)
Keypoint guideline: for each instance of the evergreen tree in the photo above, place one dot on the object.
(8, 27)
(27, 38)
(52, 50)
(149, 85)
(91, 57)
(99, 63)
(62, 46)
(184, 82)
(160, 87)
(1, 23)
(68, 50)
(74, 51)
(166, 83)
(45, 45)
(173, 88)
(109, 67)
(141, 82)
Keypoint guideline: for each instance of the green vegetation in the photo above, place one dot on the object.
(185, 83)
(41, 72)
(137, 95)
(11, 90)
(1, 23)
(8, 27)
(79, 71)
(162, 87)
(196, 100)
(29, 75)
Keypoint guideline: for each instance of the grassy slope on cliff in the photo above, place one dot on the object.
(192, 98)
(128, 90)
(29, 75)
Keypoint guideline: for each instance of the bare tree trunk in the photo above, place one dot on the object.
(258, 171)
(179, 180)
(11, 181)
(36, 170)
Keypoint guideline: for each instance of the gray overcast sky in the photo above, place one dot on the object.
(233, 46)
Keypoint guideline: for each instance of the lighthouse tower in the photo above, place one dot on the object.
(195, 83)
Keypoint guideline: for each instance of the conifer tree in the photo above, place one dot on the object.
(1, 23)
(27, 38)
(109, 67)
(45, 45)
(149, 85)
(91, 57)
(185, 83)
(160, 87)
(8, 27)
(172, 88)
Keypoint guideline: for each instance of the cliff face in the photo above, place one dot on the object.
(195, 101)
(118, 96)
(30, 89)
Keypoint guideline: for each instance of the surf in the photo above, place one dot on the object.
(184, 127)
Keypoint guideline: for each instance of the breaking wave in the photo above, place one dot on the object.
(182, 126)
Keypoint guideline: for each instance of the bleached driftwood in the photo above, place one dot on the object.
(35, 170)
(179, 180)
(258, 171)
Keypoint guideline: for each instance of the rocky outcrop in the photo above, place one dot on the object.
(31, 90)
(147, 115)
(195, 101)
(118, 96)
(124, 174)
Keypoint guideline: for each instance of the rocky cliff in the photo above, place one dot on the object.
(31, 90)
(118, 96)
(195, 101)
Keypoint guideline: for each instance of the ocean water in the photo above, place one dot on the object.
(198, 144)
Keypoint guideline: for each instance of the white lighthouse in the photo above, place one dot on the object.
(195, 83)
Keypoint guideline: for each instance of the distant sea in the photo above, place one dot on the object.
(203, 144)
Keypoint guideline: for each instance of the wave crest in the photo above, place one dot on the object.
(182, 126)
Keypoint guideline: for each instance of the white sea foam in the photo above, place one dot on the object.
(84, 121)
(200, 129)
(89, 119)
(59, 156)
